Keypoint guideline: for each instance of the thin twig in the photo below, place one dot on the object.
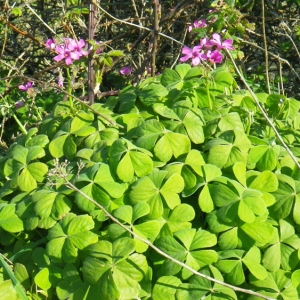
(179, 53)
(135, 25)
(28, 35)
(284, 27)
(280, 77)
(265, 46)
(44, 23)
(263, 111)
(111, 122)
(157, 13)
(148, 243)
(271, 54)
(91, 72)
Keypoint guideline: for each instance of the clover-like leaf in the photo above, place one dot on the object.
(22, 168)
(128, 160)
(265, 182)
(210, 172)
(172, 144)
(283, 249)
(191, 171)
(9, 221)
(276, 285)
(158, 192)
(99, 185)
(239, 234)
(50, 203)
(264, 155)
(149, 132)
(64, 143)
(231, 121)
(70, 282)
(177, 219)
(233, 197)
(69, 235)
(152, 93)
(231, 264)
(183, 120)
(165, 288)
(146, 229)
(191, 252)
(202, 288)
(115, 269)
(230, 147)
(287, 199)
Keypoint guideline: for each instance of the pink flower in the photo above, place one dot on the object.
(50, 44)
(227, 44)
(194, 53)
(205, 42)
(69, 51)
(27, 86)
(66, 54)
(197, 24)
(126, 71)
(214, 57)
(60, 81)
(76, 47)
(216, 41)
(99, 50)
(19, 104)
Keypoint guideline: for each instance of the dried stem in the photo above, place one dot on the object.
(43, 22)
(265, 46)
(62, 174)
(135, 25)
(157, 14)
(91, 72)
(282, 60)
(263, 111)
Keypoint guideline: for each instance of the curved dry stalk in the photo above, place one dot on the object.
(135, 25)
(265, 46)
(280, 59)
(60, 172)
(294, 158)
(43, 22)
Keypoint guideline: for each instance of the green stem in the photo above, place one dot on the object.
(38, 113)
(69, 88)
(208, 95)
(20, 124)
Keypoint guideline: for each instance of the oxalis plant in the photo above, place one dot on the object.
(183, 186)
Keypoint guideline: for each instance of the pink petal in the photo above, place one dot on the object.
(216, 39)
(75, 55)
(81, 43)
(196, 61)
(85, 53)
(197, 49)
(68, 60)
(59, 57)
(186, 50)
(184, 58)
(227, 44)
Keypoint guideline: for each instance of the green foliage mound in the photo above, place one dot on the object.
(184, 160)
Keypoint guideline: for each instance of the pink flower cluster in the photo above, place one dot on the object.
(69, 50)
(207, 50)
(126, 71)
(26, 87)
(197, 24)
